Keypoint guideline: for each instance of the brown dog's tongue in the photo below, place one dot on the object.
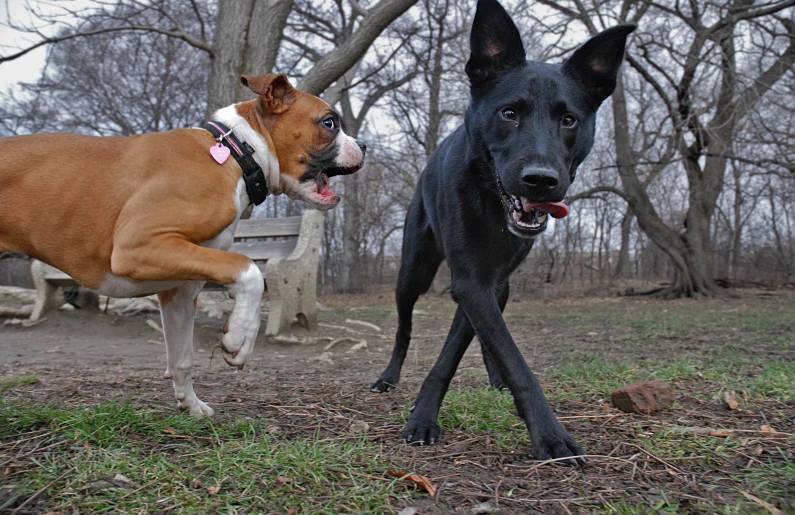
(555, 209)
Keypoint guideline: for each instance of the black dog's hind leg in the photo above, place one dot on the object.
(418, 267)
(422, 426)
(495, 379)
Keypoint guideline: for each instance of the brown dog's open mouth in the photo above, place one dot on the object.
(323, 192)
(527, 217)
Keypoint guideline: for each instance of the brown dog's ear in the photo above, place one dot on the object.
(274, 91)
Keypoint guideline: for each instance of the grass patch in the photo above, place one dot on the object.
(6, 383)
(776, 478)
(582, 380)
(195, 465)
(482, 411)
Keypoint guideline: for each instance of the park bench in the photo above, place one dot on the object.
(285, 249)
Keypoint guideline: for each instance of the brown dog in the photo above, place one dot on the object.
(155, 213)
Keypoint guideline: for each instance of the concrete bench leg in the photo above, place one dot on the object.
(48, 296)
(292, 281)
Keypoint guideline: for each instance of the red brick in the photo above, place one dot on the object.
(646, 397)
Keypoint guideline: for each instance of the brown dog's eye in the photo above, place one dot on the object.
(330, 124)
(569, 121)
(509, 114)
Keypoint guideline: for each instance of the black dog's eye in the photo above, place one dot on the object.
(329, 123)
(569, 121)
(509, 114)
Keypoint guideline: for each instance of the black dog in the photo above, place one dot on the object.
(485, 195)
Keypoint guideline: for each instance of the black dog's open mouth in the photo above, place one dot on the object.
(529, 218)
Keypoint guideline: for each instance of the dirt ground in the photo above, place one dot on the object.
(87, 356)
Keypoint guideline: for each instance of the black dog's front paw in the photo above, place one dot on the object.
(422, 432)
(384, 385)
(557, 443)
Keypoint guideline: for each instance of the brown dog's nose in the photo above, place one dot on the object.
(541, 178)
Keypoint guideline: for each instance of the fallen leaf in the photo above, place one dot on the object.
(214, 489)
(766, 505)
(759, 450)
(284, 480)
(767, 430)
(421, 481)
(292, 511)
(731, 400)
(119, 481)
(170, 430)
(123, 481)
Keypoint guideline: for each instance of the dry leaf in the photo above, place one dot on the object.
(284, 480)
(759, 450)
(704, 431)
(731, 400)
(292, 511)
(421, 481)
(171, 430)
(766, 505)
(767, 430)
(214, 489)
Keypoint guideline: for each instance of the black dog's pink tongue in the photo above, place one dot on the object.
(555, 209)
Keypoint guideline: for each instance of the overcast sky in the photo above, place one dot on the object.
(26, 68)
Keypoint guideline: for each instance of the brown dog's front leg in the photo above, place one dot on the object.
(173, 259)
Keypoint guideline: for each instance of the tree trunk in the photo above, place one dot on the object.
(353, 262)
(687, 252)
(624, 266)
(247, 38)
(352, 273)
(737, 230)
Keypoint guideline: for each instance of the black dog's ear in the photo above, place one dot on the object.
(595, 65)
(495, 43)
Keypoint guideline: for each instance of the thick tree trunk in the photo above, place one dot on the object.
(247, 37)
(687, 252)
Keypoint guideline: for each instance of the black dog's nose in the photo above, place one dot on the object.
(542, 178)
(362, 146)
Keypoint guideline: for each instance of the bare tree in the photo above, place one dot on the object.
(691, 60)
(244, 38)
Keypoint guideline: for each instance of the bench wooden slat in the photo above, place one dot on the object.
(268, 227)
(59, 278)
(263, 250)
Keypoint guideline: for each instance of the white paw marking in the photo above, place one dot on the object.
(195, 407)
(238, 342)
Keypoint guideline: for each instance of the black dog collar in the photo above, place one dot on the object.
(256, 185)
